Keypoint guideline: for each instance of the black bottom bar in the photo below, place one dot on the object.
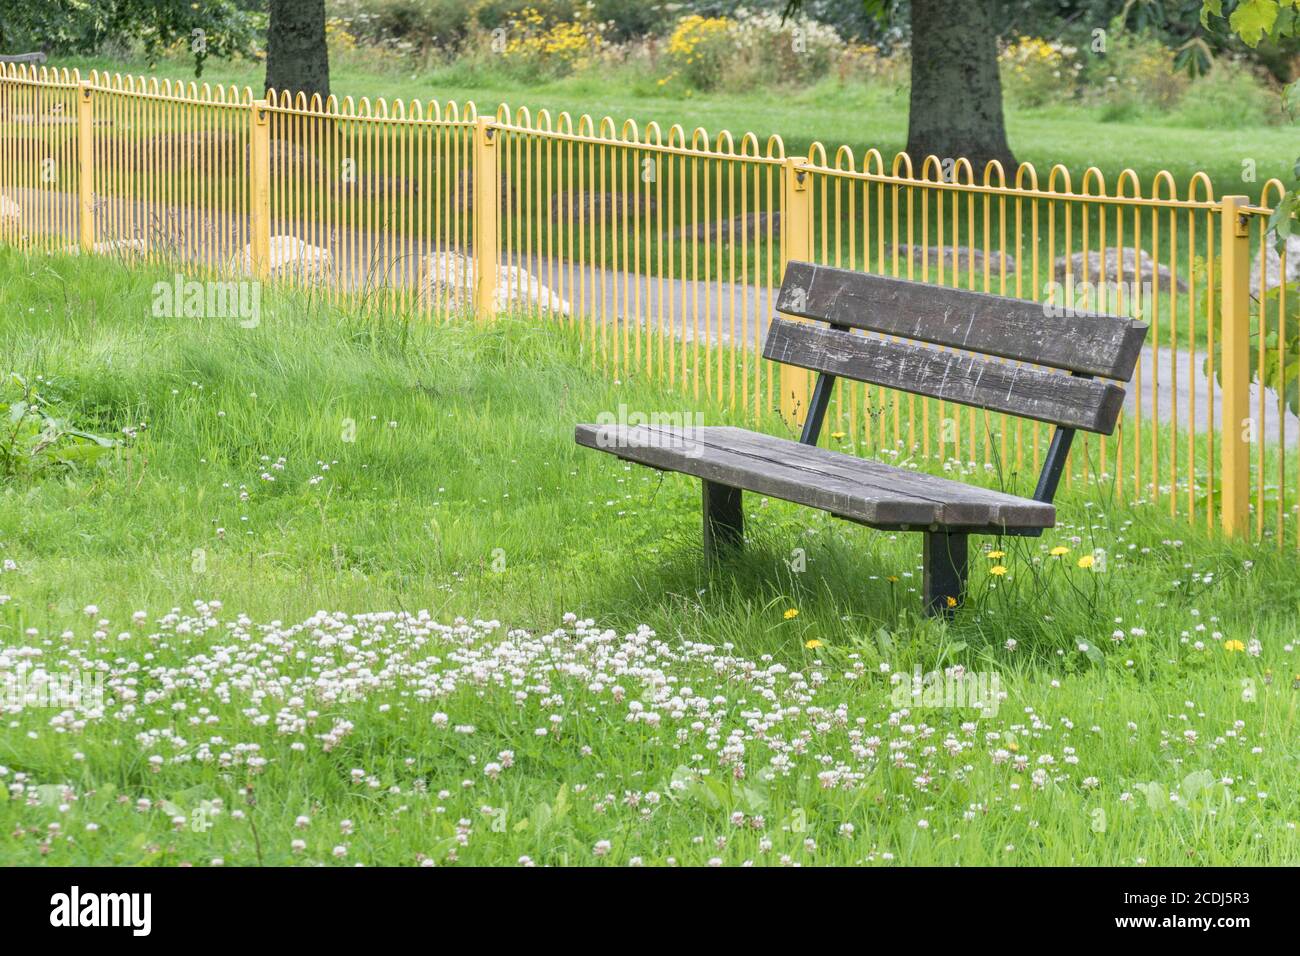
(724, 520)
(945, 572)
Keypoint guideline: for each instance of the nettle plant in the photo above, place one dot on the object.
(37, 435)
(1274, 341)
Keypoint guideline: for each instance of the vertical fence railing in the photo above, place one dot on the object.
(664, 250)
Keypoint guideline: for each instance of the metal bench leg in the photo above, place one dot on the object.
(945, 572)
(724, 521)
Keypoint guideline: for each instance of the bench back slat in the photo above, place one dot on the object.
(1095, 344)
(1045, 396)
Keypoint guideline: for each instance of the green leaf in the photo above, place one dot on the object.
(1157, 799)
(76, 453)
(1194, 783)
(1094, 654)
(1253, 19)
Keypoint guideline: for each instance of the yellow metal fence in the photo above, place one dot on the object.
(664, 249)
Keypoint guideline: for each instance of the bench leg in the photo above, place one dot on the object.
(724, 521)
(945, 572)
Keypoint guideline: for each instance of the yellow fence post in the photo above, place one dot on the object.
(796, 245)
(487, 190)
(1234, 483)
(259, 195)
(86, 166)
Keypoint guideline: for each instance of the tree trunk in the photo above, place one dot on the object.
(296, 55)
(956, 107)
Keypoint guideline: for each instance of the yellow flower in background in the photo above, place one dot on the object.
(813, 644)
(892, 578)
(838, 436)
(996, 554)
(1231, 646)
(1057, 551)
(952, 601)
(791, 613)
(1086, 561)
(998, 569)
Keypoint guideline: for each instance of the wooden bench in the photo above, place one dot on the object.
(732, 460)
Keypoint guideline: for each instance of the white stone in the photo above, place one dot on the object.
(448, 281)
(1271, 264)
(289, 256)
(1137, 265)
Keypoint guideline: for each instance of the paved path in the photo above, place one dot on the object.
(689, 309)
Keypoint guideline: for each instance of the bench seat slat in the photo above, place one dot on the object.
(869, 492)
(962, 504)
(951, 376)
(1096, 344)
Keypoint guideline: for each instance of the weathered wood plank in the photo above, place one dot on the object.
(962, 504)
(951, 376)
(737, 470)
(1095, 344)
(872, 493)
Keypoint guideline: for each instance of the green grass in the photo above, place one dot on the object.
(462, 492)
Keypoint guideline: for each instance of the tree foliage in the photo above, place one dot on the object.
(1253, 21)
(219, 28)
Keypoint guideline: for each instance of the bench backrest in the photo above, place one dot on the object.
(23, 58)
(992, 326)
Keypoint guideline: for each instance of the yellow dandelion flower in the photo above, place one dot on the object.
(792, 612)
(1086, 561)
(838, 436)
(998, 569)
(952, 601)
(1057, 551)
(813, 644)
(1231, 646)
(892, 578)
(993, 555)
(1013, 746)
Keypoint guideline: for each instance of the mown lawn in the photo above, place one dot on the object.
(356, 563)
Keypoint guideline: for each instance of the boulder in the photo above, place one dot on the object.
(1270, 265)
(970, 260)
(448, 282)
(290, 256)
(1137, 267)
